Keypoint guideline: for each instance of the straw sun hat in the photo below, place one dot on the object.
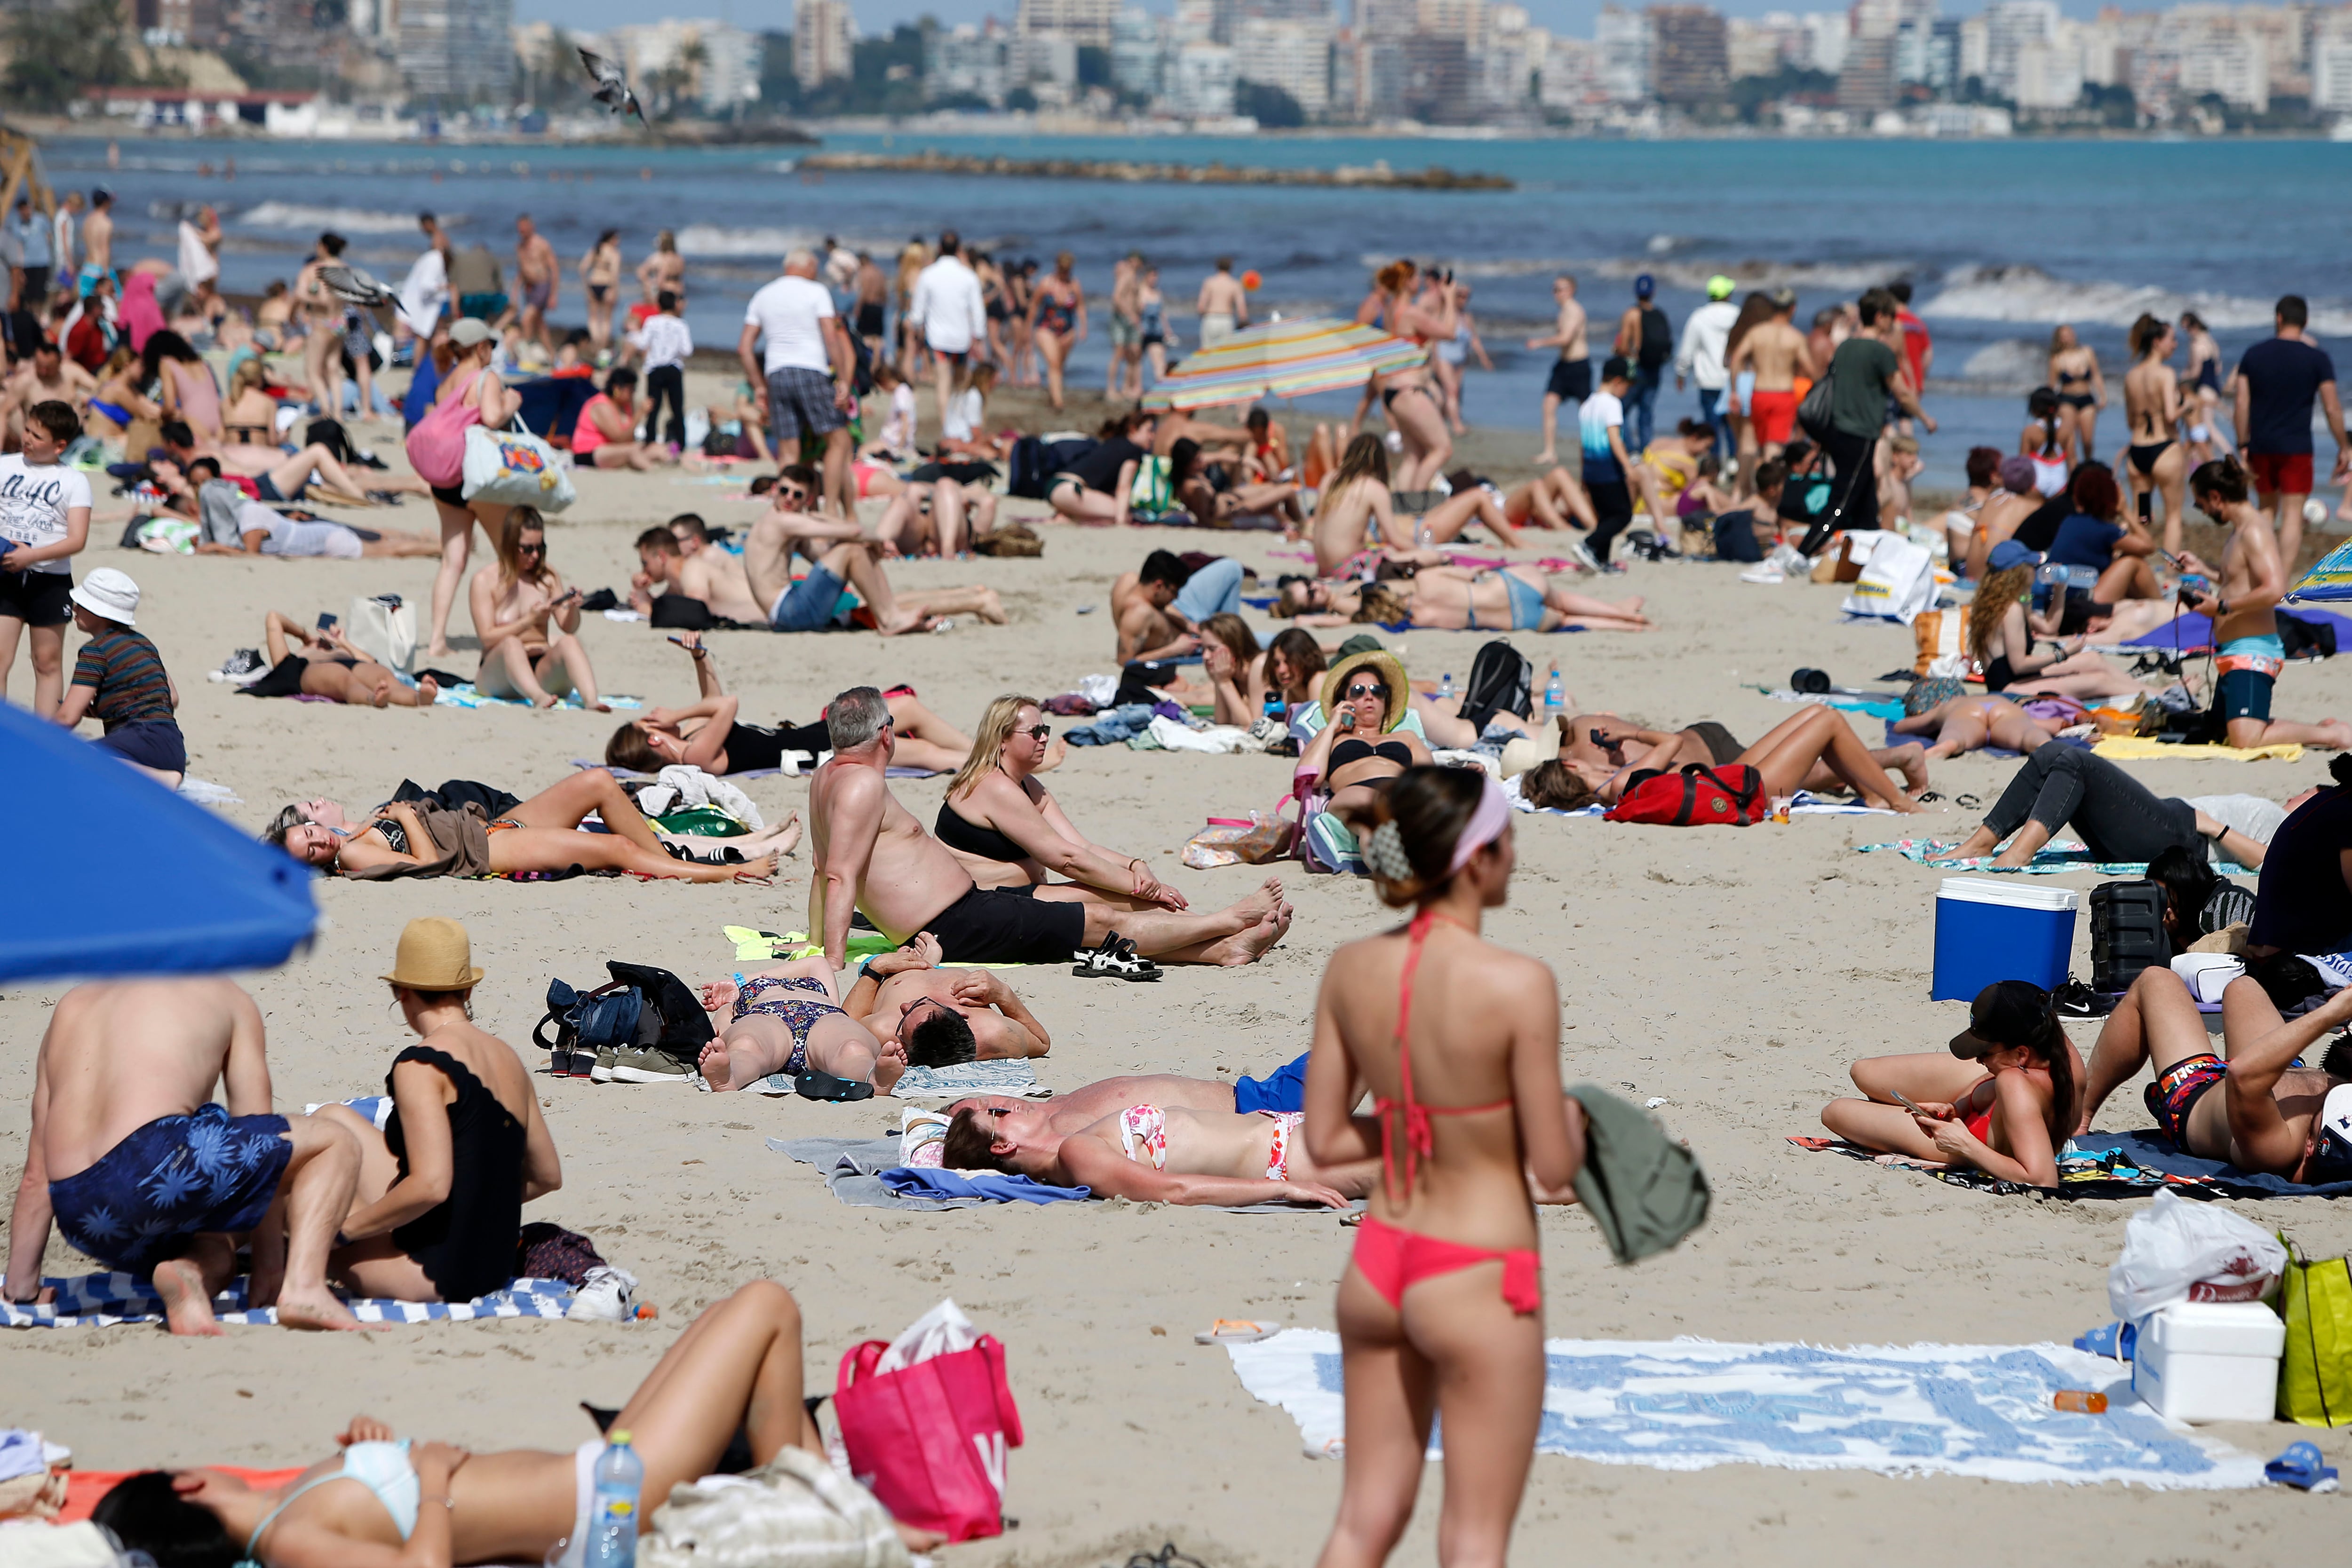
(1380, 662)
(435, 955)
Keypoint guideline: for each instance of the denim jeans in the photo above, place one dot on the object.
(1710, 409)
(1214, 590)
(1642, 407)
(2117, 817)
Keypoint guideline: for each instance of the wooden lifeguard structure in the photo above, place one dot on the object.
(20, 173)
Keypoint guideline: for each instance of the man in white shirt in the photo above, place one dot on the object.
(808, 373)
(665, 344)
(1706, 340)
(426, 291)
(948, 306)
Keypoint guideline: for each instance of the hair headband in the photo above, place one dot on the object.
(1486, 825)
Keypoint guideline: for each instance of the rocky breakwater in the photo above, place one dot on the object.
(1377, 176)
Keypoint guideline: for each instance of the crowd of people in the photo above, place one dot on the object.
(1431, 1093)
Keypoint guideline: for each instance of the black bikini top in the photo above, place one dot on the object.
(1352, 751)
(957, 833)
(393, 834)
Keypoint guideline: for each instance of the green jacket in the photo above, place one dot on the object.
(1646, 1191)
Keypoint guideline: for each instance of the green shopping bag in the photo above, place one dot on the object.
(1153, 493)
(2316, 1374)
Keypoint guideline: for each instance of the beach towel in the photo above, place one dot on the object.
(1015, 1076)
(2193, 634)
(463, 695)
(1877, 707)
(2106, 1164)
(1977, 1410)
(2057, 856)
(98, 1300)
(866, 1173)
(2146, 748)
(759, 946)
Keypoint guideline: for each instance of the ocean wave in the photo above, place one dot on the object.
(342, 220)
(2029, 294)
(1842, 279)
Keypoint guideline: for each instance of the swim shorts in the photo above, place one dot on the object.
(154, 742)
(1527, 602)
(1284, 1089)
(1124, 333)
(1774, 416)
(1009, 925)
(1571, 380)
(2178, 1089)
(536, 295)
(482, 307)
(266, 488)
(2248, 668)
(2281, 473)
(800, 402)
(37, 598)
(869, 321)
(173, 1179)
(808, 605)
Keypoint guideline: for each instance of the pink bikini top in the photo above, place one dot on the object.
(1419, 1139)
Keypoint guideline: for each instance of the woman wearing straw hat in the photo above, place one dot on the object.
(1364, 694)
(119, 679)
(439, 1205)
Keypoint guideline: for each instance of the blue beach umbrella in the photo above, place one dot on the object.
(111, 875)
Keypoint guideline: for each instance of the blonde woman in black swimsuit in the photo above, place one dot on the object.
(2081, 390)
(1005, 827)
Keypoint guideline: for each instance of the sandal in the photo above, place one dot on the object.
(1235, 1331)
(826, 1086)
(1116, 959)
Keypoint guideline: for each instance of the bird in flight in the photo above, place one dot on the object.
(611, 84)
(356, 286)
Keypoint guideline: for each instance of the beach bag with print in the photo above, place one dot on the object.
(1730, 794)
(1253, 839)
(929, 1436)
(794, 1512)
(2315, 1372)
(1939, 643)
(1896, 583)
(515, 468)
(384, 629)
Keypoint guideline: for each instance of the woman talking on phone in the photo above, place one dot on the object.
(528, 622)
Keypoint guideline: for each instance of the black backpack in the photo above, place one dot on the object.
(1657, 339)
(643, 1006)
(1501, 681)
(2128, 932)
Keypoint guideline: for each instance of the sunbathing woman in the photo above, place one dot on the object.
(1234, 506)
(2119, 818)
(1972, 723)
(1441, 1311)
(120, 402)
(1786, 757)
(1005, 827)
(439, 1208)
(737, 1367)
(2003, 1102)
(1609, 743)
(937, 517)
(1364, 694)
(539, 835)
(787, 1018)
(1235, 666)
(1156, 1153)
(528, 622)
(1355, 504)
(1456, 599)
(2002, 632)
(705, 734)
(322, 663)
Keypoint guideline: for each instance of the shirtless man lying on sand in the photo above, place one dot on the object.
(943, 1017)
(140, 1171)
(1157, 1154)
(872, 855)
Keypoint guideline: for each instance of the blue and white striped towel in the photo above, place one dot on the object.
(98, 1300)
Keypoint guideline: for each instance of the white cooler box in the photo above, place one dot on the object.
(2209, 1361)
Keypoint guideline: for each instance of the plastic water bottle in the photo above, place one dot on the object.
(613, 1514)
(1275, 708)
(1445, 689)
(1555, 695)
(1423, 536)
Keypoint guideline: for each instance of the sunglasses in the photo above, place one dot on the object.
(1377, 693)
(1042, 732)
(791, 493)
(530, 550)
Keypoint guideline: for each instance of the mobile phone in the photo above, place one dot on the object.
(1597, 740)
(1913, 1106)
(327, 621)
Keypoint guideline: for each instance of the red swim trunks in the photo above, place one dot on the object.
(2281, 473)
(1774, 416)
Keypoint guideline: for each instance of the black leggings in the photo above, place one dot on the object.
(666, 382)
(1612, 508)
(2119, 818)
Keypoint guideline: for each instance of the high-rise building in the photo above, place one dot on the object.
(824, 39)
(459, 50)
(1087, 22)
(1388, 18)
(2048, 74)
(1437, 80)
(1201, 83)
(1139, 42)
(1689, 63)
(715, 64)
(2010, 27)
(2331, 65)
(1621, 39)
(1462, 19)
(1295, 56)
(965, 61)
(1866, 83)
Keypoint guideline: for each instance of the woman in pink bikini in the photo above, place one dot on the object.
(1441, 1311)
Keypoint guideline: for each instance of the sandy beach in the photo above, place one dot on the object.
(1733, 974)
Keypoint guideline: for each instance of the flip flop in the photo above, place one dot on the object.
(826, 1086)
(1235, 1331)
(2301, 1467)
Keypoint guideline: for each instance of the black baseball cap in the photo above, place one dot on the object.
(2006, 1014)
(1615, 369)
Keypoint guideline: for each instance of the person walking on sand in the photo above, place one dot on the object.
(949, 311)
(1223, 304)
(2277, 382)
(469, 393)
(1645, 340)
(1441, 1309)
(541, 276)
(795, 354)
(1571, 374)
(1772, 354)
(131, 1159)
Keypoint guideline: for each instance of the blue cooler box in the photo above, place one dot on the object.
(1989, 930)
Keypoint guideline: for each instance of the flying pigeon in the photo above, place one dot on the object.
(611, 84)
(354, 285)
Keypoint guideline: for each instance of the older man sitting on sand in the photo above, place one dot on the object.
(872, 855)
(142, 1171)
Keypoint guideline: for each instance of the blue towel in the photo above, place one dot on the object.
(910, 1181)
(2150, 1150)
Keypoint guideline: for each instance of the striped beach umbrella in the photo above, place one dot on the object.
(2330, 577)
(1284, 359)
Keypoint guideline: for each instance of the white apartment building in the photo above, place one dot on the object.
(1138, 41)
(1088, 22)
(1293, 56)
(2010, 25)
(1201, 80)
(457, 49)
(1621, 39)
(823, 35)
(2331, 65)
(965, 61)
(720, 62)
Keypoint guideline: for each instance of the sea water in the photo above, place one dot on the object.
(2002, 239)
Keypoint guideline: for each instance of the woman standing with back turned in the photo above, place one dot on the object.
(1441, 1311)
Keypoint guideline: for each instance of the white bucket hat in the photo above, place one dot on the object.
(109, 594)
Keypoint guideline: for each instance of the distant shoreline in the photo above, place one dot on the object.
(1377, 176)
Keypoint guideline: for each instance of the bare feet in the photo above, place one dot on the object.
(428, 692)
(1248, 947)
(763, 869)
(714, 1066)
(187, 1308)
(382, 695)
(919, 1541)
(545, 700)
(438, 650)
(992, 607)
(1256, 905)
(600, 707)
(316, 1310)
(904, 623)
(1055, 755)
(2338, 735)
(1545, 459)
(1913, 761)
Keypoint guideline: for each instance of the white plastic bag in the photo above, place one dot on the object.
(1897, 583)
(384, 629)
(515, 468)
(943, 1330)
(2176, 1250)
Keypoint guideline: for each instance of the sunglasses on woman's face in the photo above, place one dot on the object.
(1357, 694)
(530, 550)
(1041, 733)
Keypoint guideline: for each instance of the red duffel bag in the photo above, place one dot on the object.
(929, 1440)
(1730, 793)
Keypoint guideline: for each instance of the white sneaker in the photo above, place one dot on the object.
(608, 1295)
(1767, 572)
